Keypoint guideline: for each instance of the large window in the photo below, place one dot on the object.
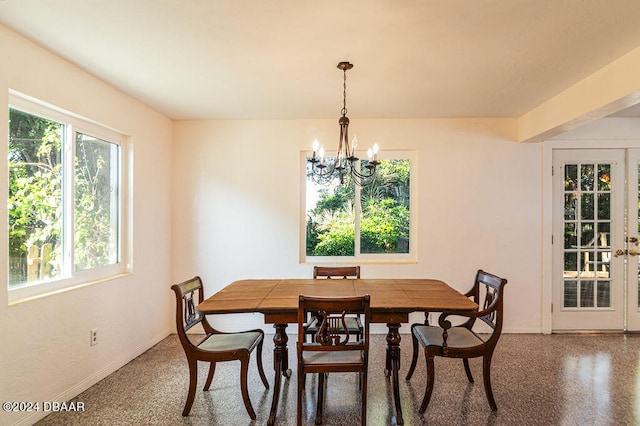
(65, 199)
(345, 222)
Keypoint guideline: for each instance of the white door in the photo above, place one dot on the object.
(595, 239)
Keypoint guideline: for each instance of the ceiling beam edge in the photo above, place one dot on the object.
(610, 89)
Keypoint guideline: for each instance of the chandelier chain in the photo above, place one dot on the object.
(344, 93)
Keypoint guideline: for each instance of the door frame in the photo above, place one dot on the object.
(547, 209)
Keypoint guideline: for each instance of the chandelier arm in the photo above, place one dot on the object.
(360, 175)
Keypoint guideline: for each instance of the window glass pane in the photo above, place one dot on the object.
(331, 215)
(35, 198)
(96, 203)
(384, 224)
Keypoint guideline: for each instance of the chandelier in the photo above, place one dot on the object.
(345, 164)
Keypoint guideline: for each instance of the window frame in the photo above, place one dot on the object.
(74, 124)
(366, 258)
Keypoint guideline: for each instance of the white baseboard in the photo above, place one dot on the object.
(92, 379)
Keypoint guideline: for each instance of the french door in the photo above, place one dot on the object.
(595, 239)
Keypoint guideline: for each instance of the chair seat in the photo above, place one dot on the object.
(230, 342)
(354, 325)
(322, 357)
(458, 337)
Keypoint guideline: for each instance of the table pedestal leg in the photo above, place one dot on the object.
(393, 366)
(281, 367)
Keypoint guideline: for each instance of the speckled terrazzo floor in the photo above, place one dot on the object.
(537, 380)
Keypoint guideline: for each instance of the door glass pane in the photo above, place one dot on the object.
(570, 206)
(587, 263)
(604, 234)
(587, 206)
(586, 236)
(586, 177)
(570, 236)
(604, 294)
(604, 205)
(603, 263)
(570, 177)
(604, 177)
(571, 265)
(570, 294)
(586, 294)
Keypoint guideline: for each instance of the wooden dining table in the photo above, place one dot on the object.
(392, 300)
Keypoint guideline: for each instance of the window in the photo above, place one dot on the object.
(65, 200)
(349, 223)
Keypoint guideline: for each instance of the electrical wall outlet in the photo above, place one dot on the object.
(94, 337)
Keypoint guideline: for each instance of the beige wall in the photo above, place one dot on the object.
(45, 353)
(236, 188)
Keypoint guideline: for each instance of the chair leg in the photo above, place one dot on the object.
(301, 386)
(486, 373)
(429, 389)
(244, 369)
(414, 357)
(467, 369)
(364, 399)
(259, 362)
(320, 401)
(212, 370)
(193, 381)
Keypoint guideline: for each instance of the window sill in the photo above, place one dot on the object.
(29, 293)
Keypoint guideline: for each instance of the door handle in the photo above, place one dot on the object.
(632, 252)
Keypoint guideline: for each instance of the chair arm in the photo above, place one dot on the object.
(471, 314)
(445, 324)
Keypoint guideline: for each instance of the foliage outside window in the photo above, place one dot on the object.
(64, 205)
(350, 221)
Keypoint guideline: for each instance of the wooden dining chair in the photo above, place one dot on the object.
(354, 323)
(332, 350)
(216, 346)
(461, 341)
(336, 271)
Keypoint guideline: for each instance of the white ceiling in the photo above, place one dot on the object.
(264, 59)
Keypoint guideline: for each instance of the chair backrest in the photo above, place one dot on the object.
(189, 294)
(336, 271)
(487, 292)
(333, 333)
